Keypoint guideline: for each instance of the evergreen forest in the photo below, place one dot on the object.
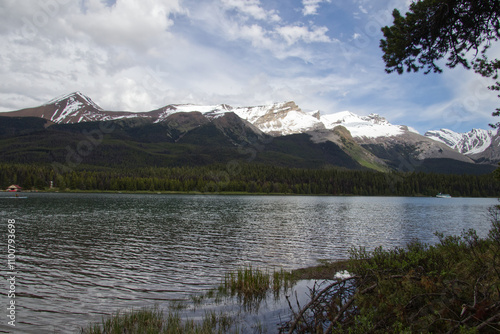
(250, 178)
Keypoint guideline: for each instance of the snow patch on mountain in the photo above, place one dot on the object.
(448, 137)
(75, 96)
(472, 142)
(71, 107)
(282, 118)
(372, 126)
(287, 118)
(209, 111)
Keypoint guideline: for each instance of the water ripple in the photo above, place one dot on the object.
(81, 256)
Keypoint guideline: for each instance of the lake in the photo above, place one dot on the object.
(81, 256)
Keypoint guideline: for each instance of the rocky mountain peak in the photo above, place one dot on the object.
(470, 143)
(376, 119)
(75, 98)
(316, 114)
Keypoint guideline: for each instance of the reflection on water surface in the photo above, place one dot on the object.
(84, 255)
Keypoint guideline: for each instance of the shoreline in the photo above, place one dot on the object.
(325, 269)
(222, 193)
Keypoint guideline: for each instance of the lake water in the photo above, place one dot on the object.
(81, 256)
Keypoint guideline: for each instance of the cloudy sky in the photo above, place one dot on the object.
(139, 55)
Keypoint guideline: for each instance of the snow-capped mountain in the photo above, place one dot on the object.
(75, 101)
(70, 108)
(472, 142)
(277, 119)
(287, 118)
(369, 138)
(371, 126)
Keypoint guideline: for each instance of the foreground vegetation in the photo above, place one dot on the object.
(153, 320)
(248, 285)
(250, 178)
(450, 287)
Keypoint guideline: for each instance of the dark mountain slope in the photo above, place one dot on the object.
(187, 139)
(17, 126)
(300, 151)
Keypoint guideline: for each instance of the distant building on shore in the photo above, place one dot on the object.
(14, 188)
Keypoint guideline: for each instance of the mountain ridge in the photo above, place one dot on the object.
(474, 143)
(280, 118)
(370, 140)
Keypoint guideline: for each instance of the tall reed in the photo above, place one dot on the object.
(154, 320)
(251, 285)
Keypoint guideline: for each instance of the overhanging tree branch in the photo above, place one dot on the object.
(458, 30)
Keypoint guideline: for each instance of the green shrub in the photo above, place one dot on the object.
(450, 287)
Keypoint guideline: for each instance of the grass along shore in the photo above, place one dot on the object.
(247, 285)
(450, 287)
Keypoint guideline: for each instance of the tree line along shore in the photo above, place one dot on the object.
(249, 178)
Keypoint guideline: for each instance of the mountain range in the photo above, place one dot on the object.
(279, 133)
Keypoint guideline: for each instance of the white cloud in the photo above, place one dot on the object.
(257, 35)
(280, 39)
(143, 54)
(54, 47)
(363, 10)
(311, 6)
(130, 23)
(126, 57)
(252, 8)
(293, 34)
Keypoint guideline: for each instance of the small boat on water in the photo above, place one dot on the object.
(443, 195)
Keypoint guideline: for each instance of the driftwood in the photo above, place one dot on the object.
(338, 298)
(325, 293)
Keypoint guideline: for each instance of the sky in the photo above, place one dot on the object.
(140, 55)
